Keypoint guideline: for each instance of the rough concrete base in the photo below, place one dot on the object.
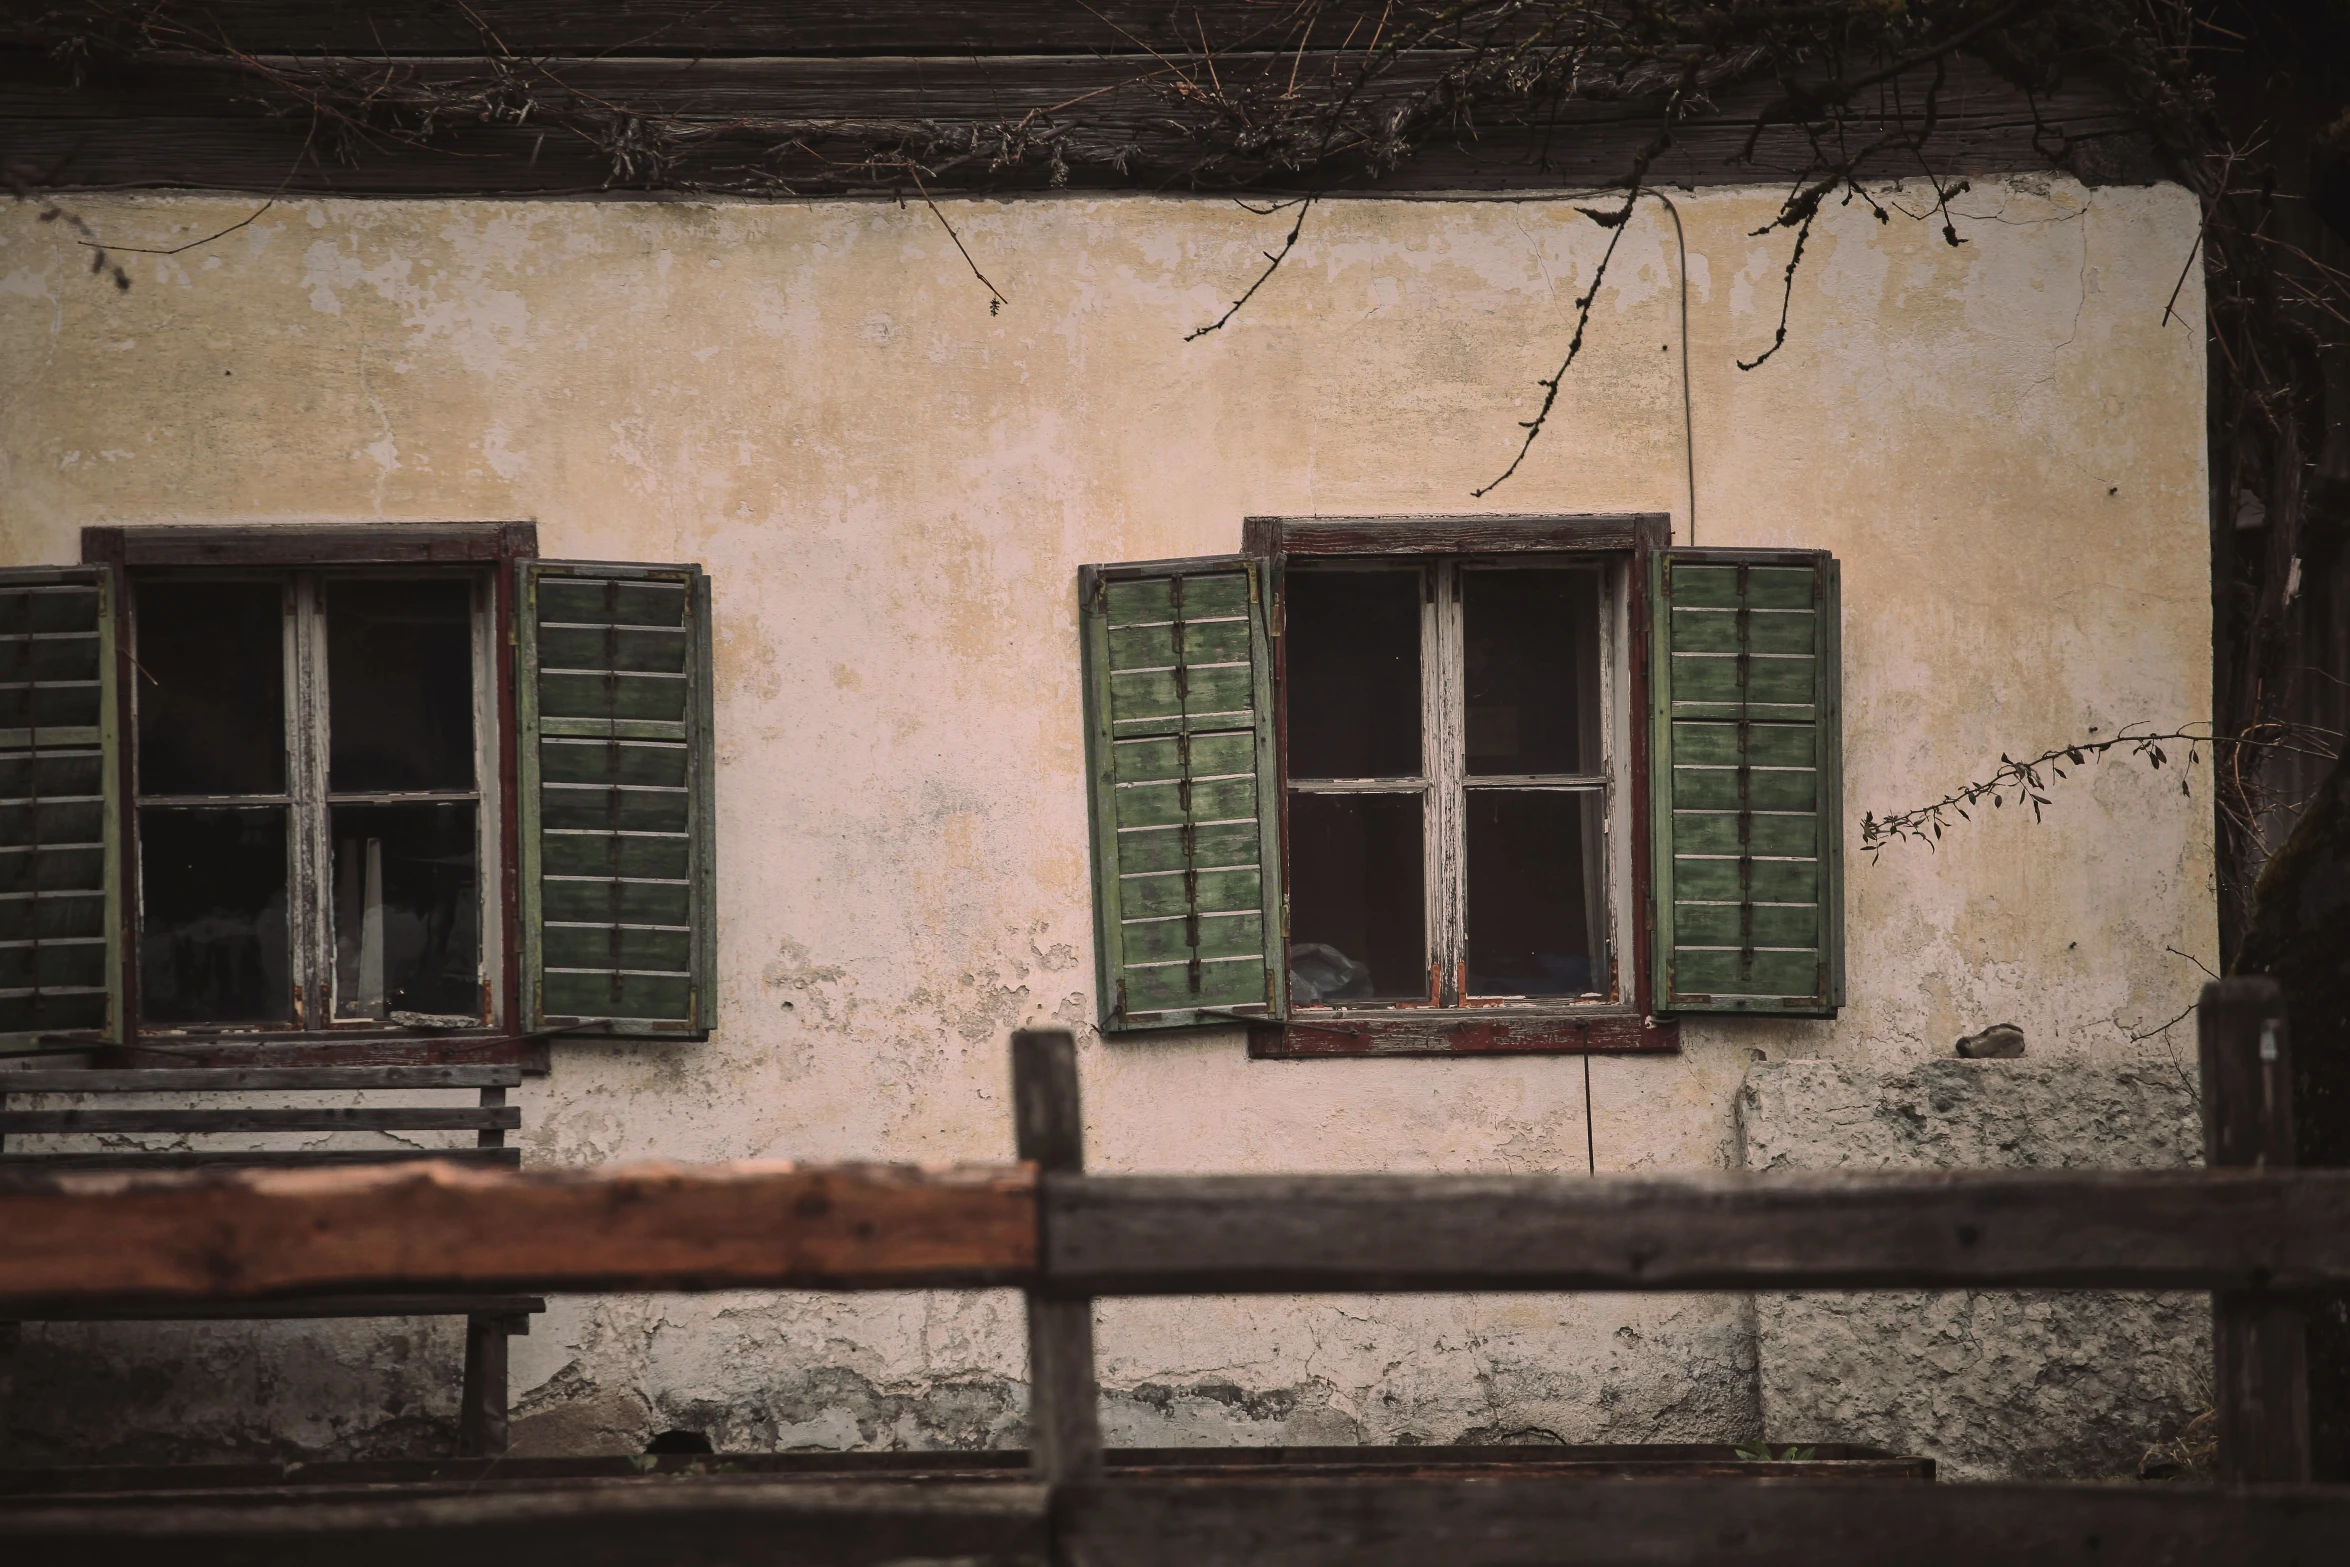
(756, 1373)
(1991, 1384)
(180, 1392)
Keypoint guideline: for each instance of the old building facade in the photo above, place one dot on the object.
(890, 480)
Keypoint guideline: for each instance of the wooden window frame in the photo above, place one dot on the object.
(297, 547)
(1627, 1025)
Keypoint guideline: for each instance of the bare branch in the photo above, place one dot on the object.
(996, 300)
(2026, 781)
(1273, 260)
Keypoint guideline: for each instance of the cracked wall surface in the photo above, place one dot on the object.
(2039, 1384)
(892, 488)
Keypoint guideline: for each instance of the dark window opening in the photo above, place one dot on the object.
(310, 815)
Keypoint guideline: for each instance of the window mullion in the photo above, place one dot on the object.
(489, 882)
(310, 858)
(1444, 726)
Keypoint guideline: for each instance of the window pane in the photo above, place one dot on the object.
(407, 913)
(1357, 916)
(1354, 674)
(1532, 655)
(399, 681)
(1535, 925)
(212, 930)
(211, 681)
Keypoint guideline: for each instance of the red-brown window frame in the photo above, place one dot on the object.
(495, 545)
(1627, 1026)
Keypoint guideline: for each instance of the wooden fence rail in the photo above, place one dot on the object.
(272, 1234)
(266, 1234)
(1217, 1523)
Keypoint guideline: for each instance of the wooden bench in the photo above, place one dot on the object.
(489, 1319)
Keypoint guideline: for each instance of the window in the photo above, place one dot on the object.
(323, 785)
(1452, 744)
(311, 823)
(1400, 786)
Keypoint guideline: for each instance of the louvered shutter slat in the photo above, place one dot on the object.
(615, 766)
(1746, 789)
(1187, 886)
(59, 822)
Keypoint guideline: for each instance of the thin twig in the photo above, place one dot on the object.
(1786, 298)
(1616, 222)
(143, 250)
(1273, 260)
(1925, 823)
(996, 300)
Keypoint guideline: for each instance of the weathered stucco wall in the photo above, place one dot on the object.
(893, 486)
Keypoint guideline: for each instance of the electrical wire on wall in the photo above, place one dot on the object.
(1688, 419)
(1590, 1136)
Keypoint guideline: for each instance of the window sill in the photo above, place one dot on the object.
(1471, 1031)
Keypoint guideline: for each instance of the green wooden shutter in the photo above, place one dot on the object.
(1185, 792)
(613, 701)
(1746, 785)
(60, 821)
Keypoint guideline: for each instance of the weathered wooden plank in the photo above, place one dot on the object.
(439, 1227)
(664, 1524)
(1472, 1031)
(1594, 532)
(100, 1310)
(200, 122)
(324, 1118)
(1688, 1523)
(433, 1228)
(269, 157)
(403, 543)
(1838, 1460)
(893, 85)
(121, 1159)
(1131, 1234)
(695, 27)
(255, 1079)
(1064, 1401)
(2260, 1344)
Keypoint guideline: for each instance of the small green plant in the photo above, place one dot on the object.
(1760, 1453)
